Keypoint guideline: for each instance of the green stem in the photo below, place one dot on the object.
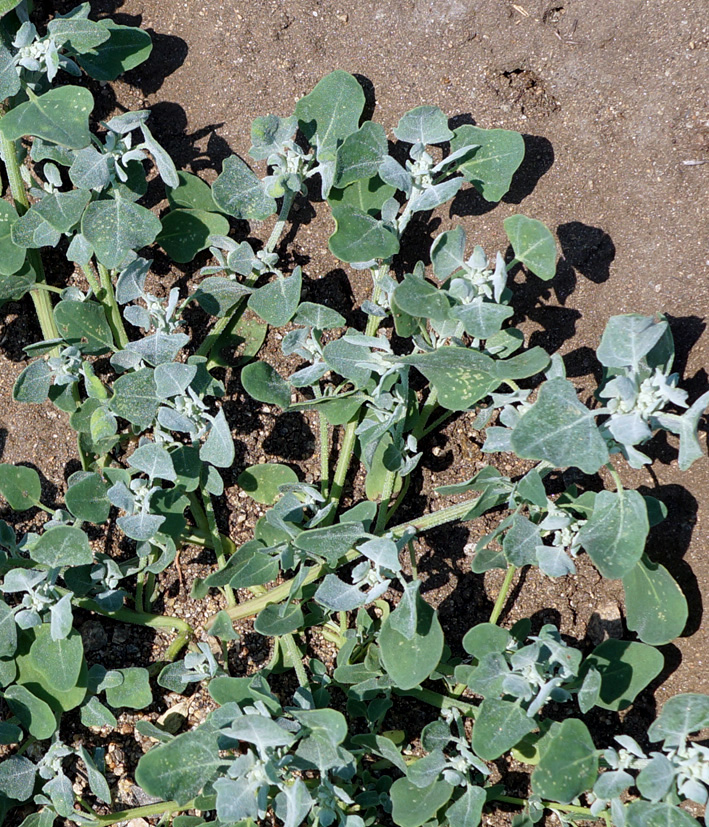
(343, 466)
(502, 596)
(566, 808)
(439, 700)
(616, 478)
(218, 545)
(292, 651)
(400, 499)
(161, 808)
(90, 276)
(280, 592)
(387, 490)
(324, 449)
(110, 305)
(412, 559)
(428, 408)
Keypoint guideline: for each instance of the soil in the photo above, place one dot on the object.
(612, 99)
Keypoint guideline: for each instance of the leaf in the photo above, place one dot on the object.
(135, 398)
(8, 631)
(462, 376)
(60, 116)
(277, 301)
(424, 125)
(657, 814)
(63, 545)
(276, 620)
(218, 448)
(58, 661)
(12, 256)
(499, 726)
(533, 245)
(482, 319)
(626, 668)
(413, 806)
(142, 526)
(15, 286)
(614, 536)
(61, 210)
(318, 316)
(90, 169)
(186, 232)
(360, 154)
(484, 639)
(261, 481)
(417, 297)
(568, 765)
(126, 48)
(467, 810)
(85, 324)
(345, 358)
(656, 609)
(497, 157)
(31, 231)
(521, 542)
(95, 714)
(410, 661)
(368, 195)
(191, 193)
(34, 714)
(237, 801)
(17, 777)
(332, 542)
(269, 134)
(330, 112)
(134, 692)
(686, 427)
(179, 770)
(238, 192)
(360, 237)
(218, 295)
(560, 429)
(680, 716)
(77, 33)
(20, 486)
(114, 227)
(154, 460)
(33, 384)
(264, 384)
(628, 338)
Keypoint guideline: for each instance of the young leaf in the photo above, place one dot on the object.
(60, 116)
(413, 806)
(186, 232)
(276, 620)
(568, 765)
(628, 338)
(418, 297)
(318, 316)
(134, 692)
(154, 460)
(114, 227)
(615, 534)
(330, 112)
(679, 718)
(277, 301)
(360, 154)
(560, 429)
(126, 48)
(238, 192)
(533, 245)
(218, 448)
(656, 608)
(657, 814)
(361, 237)
(264, 384)
(467, 810)
(482, 319)
(499, 726)
(218, 295)
(497, 157)
(261, 481)
(424, 125)
(20, 486)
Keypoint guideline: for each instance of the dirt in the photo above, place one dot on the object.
(612, 98)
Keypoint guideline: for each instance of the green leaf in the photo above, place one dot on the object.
(7, 6)
(85, 324)
(114, 227)
(614, 536)
(418, 297)
(467, 810)
(134, 692)
(218, 448)
(59, 661)
(126, 48)
(360, 237)
(8, 631)
(360, 154)
(238, 192)
(264, 384)
(424, 125)
(331, 112)
(318, 316)
(482, 319)
(186, 232)
(135, 398)
(533, 245)
(499, 726)
(685, 426)
(178, 770)
(484, 639)
(17, 777)
(77, 33)
(331, 542)
(656, 609)
(657, 814)
(413, 806)
(679, 718)
(154, 460)
(626, 668)
(34, 714)
(568, 765)
(277, 301)
(95, 714)
(63, 545)
(560, 429)
(276, 620)
(344, 358)
(61, 210)
(20, 486)
(261, 481)
(368, 195)
(15, 286)
(218, 295)
(192, 193)
(462, 376)
(628, 338)
(498, 156)
(60, 116)
(409, 661)
(12, 256)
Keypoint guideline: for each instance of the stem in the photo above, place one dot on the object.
(324, 450)
(110, 305)
(552, 805)
(218, 546)
(502, 596)
(161, 808)
(412, 559)
(616, 478)
(387, 491)
(292, 651)
(343, 466)
(439, 700)
(90, 276)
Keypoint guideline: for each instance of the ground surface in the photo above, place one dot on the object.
(612, 99)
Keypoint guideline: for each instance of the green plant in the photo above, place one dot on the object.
(152, 443)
